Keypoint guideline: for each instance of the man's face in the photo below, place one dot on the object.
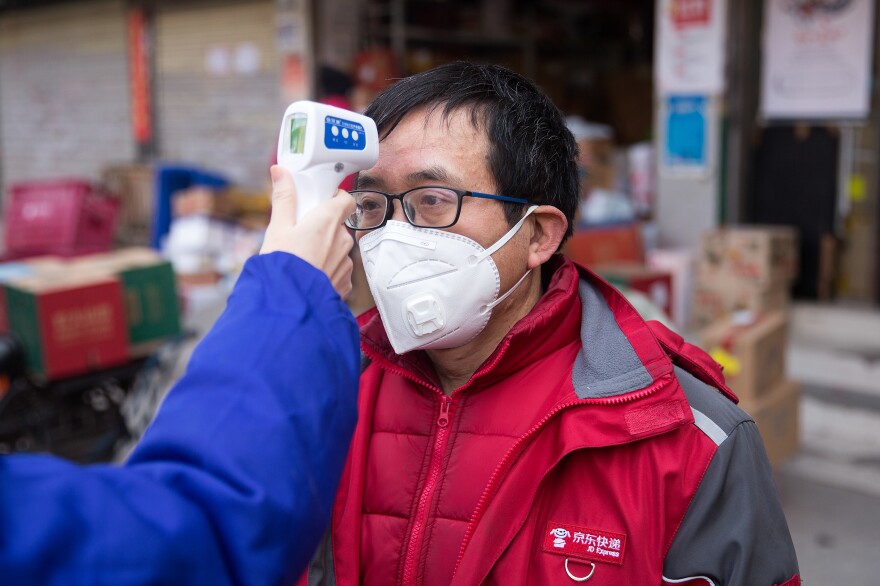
(448, 152)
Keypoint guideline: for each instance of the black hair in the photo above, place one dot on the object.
(532, 154)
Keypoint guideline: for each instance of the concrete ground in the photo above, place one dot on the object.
(831, 488)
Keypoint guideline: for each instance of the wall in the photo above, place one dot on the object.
(688, 205)
(217, 87)
(64, 108)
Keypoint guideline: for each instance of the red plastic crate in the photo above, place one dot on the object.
(59, 217)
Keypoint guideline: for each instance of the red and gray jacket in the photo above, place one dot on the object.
(590, 446)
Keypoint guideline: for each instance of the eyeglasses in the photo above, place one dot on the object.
(430, 206)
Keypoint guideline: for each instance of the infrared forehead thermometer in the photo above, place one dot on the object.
(321, 145)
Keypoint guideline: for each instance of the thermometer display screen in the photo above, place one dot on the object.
(298, 123)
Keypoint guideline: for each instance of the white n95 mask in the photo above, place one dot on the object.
(433, 289)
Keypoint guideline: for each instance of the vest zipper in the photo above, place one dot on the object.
(414, 548)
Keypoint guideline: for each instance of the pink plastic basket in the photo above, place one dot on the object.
(59, 217)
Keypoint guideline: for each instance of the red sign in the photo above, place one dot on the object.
(139, 73)
(687, 13)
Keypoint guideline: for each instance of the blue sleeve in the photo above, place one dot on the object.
(234, 480)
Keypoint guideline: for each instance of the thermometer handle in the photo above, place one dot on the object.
(315, 185)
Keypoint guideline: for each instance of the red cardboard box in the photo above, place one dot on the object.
(594, 247)
(68, 325)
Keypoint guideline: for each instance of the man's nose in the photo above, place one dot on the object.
(397, 211)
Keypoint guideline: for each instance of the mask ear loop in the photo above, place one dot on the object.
(501, 242)
(488, 307)
(510, 234)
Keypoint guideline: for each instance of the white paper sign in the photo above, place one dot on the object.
(817, 58)
(247, 58)
(690, 47)
(217, 60)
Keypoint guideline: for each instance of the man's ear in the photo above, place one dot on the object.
(550, 225)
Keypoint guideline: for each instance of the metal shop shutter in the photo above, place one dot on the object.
(217, 88)
(64, 107)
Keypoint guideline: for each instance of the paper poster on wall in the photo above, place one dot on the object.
(685, 148)
(690, 47)
(218, 60)
(817, 59)
(248, 59)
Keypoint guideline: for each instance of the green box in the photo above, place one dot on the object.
(151, 304)
(149, 291)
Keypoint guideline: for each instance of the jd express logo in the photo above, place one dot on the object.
(585, 543)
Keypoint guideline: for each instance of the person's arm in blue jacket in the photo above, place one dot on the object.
(234, 480)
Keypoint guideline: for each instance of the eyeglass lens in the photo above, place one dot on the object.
(425, 207)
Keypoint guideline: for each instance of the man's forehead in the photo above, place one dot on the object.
(428, 148)
(467, 117)
(463, 116)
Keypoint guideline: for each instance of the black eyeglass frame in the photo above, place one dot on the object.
(461, 193)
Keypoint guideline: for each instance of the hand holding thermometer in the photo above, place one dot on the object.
(321, 145)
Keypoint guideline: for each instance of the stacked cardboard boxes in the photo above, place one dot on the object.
(743, 276)
(751, 348)
(743, 268)
(90, 313)
(214, 231)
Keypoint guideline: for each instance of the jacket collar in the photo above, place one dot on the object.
(619, 354)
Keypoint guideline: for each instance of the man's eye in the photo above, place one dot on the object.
(371, 204)
(434, 198)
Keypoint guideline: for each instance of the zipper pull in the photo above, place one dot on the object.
(443, 420)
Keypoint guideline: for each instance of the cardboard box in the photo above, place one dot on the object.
(12, 271)
(150, 291)
(777, 415)
(764, 255)
(151, 305)
(752, 352)
(201, 201)
(593, 247)
(135, 186)
(714, 300)
(249, 201)
(596, 154)
(656, 285)
(68, 324)
(9, 273)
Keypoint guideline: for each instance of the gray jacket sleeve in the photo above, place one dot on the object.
(734, 532)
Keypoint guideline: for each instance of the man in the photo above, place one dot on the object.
(234, 480)
(519, 423)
